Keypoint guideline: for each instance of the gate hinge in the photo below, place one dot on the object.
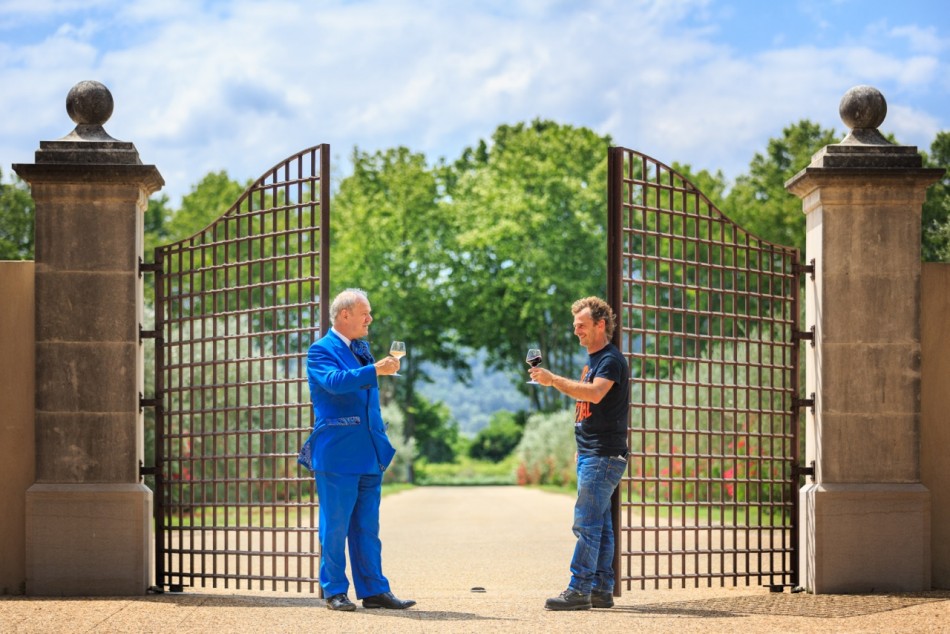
(147, 402)
(146, 471)
(149, 267)
(798, 470)
(804, 335)
(147, 334)
(809, 268)
(805, 402)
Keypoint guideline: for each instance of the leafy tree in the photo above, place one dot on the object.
(401, 467)
(435, 434)
(759, 201)
(935, 243)
(712, 185)
(530, 213)
(17, 212)
(207, 201)
(157, 217)
(496, 441)
(546, 453)
(392, 237)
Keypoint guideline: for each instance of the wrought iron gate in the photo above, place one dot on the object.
(708, 317)
(236, 308)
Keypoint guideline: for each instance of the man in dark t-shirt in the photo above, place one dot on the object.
(600, 428)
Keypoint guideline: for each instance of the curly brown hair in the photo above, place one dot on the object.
(599, 311)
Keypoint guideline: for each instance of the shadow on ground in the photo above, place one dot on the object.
(828, 606)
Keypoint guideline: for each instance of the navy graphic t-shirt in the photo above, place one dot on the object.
(601, 428)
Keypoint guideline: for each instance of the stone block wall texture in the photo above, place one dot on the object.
(91, 192)
(866, 513)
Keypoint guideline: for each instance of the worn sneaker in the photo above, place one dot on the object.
(569, 600)
(600, 599)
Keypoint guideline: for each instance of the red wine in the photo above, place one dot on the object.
(534, 361)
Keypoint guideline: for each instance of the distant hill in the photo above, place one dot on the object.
(472, 405)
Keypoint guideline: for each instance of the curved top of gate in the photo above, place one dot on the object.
(237, 305)
(639, 169)
(707, 314)
(274, 236)
(297, 178)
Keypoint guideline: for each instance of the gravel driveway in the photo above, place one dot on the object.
(439, 543)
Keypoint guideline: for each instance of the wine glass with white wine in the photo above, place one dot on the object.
(398, 350)
(533, 359)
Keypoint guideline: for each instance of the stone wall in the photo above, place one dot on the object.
(935, 413)
(17, 443)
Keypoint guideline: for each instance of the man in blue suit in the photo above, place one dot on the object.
(348, 452)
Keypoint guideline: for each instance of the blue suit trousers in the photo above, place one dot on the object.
(349, 513)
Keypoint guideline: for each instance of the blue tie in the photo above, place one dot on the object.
(361, 349)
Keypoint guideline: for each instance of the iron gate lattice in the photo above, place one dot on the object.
(236, 309)
(707, 316)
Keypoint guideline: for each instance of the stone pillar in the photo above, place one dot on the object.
(88, 516)
(865, 522)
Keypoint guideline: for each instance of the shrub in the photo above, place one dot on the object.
(398, 470)
(547, 450)
(465, 471)
(498, 439)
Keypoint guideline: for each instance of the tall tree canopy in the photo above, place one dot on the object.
(530, 215)
(392, 237)
(207, 201)
(759, 201)
(935, 242)
(16, 220)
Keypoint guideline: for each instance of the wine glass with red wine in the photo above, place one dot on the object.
(534, 360)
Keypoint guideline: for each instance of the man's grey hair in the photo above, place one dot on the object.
(346, 300)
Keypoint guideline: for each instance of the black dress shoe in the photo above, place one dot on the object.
(569, 600)
(341, 602)
(387, 600)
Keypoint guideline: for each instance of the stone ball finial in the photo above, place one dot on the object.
(89, 103)
(863, 107)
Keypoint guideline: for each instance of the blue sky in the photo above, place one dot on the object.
(240, 85)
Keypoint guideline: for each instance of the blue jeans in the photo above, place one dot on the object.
(592, 564)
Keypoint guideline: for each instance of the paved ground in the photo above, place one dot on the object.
(438, 544)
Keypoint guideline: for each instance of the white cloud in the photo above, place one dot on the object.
(240, 85)
(919, 39)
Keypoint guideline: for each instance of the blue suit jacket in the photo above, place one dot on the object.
(349, 435)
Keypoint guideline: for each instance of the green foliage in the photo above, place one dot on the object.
(17, 212)
(935, 243)
(714, 445)
(713, 186)
(489, 252)
(529, 214)
(473, 402)
(759, 202)
(436, 434)
(546, 453)
(465, 471)
(496, 442)
(207, 201)
(157, 218)
(204, 428)
(391, 236)
(400, 468)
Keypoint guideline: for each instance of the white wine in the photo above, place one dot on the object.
(398, 353)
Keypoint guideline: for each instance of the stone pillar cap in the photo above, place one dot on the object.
(89, 104)
(863, 109)
(864, 151)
